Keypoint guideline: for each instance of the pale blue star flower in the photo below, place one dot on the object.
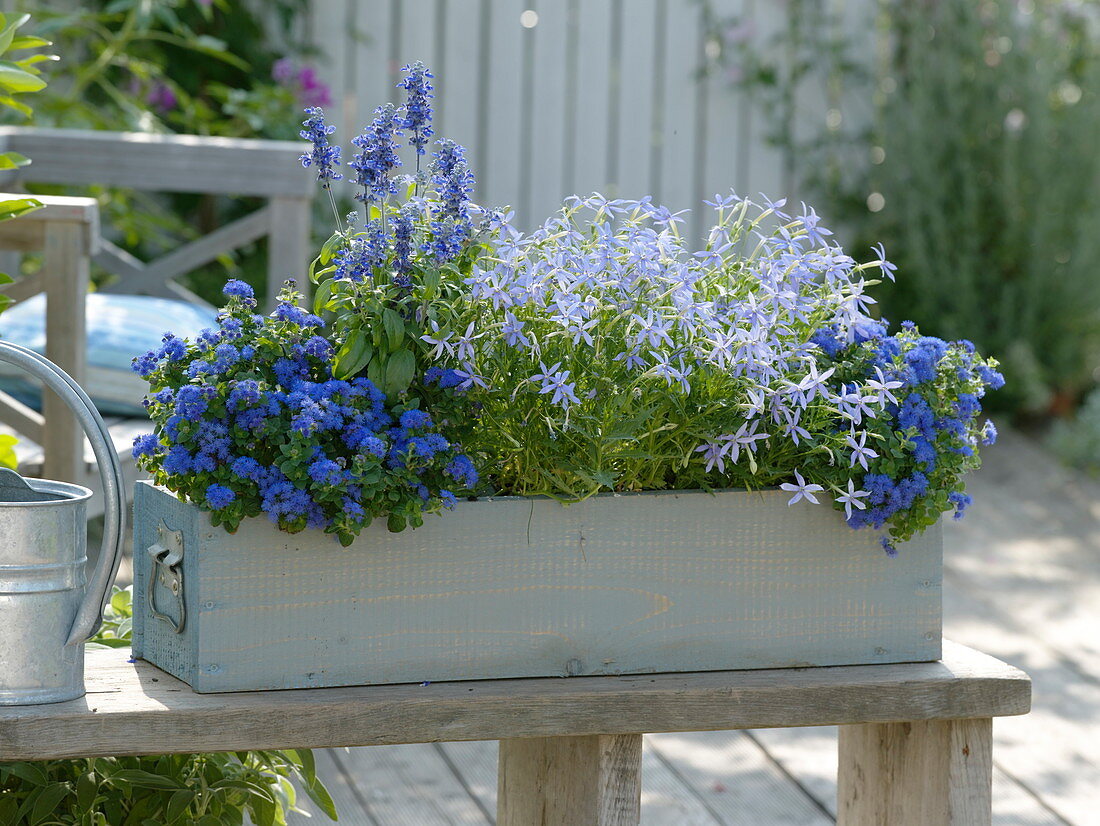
(881, 387)
(850, 499)
(801, 490)
(442, 345)
(860, 452)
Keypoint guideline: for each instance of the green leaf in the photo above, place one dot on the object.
(145, 780)
(179, 803)
(29, 61)
(18, 206)
(303, 759)
(399, 372)
(7, 36)
(27, 41)
(321, 296)
(395, 327)
(6, 279)
(432, 279)
(329, 247)
(31, 772)
(86, 789)
(395, 524)
(52, 795)
(18, 106)
(120, 602)
(263, 811)
(15, 79)
(353, 356)
(13, 160)
(320, 795)
(376, 372)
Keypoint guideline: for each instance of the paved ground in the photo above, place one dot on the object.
(1022, 583)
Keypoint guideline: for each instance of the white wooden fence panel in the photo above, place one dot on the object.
(501, 114)
(635, 139)
(542, 181)
(457, 93)
(680, 125)
(590, 124)
(767, 163)
(597, 95)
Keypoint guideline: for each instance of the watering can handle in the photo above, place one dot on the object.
(90, 614)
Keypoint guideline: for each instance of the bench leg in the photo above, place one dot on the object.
(916, 774)
(566, 781)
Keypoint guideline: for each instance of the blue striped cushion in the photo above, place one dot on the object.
(119, 327)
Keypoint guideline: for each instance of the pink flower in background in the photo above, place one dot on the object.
(309, 88)
(312, 90)
(161, 98)
(284, 72)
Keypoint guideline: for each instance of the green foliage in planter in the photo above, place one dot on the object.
(603, 352)
(167, 790)
(975, 164)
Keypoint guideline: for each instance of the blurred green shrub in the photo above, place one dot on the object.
(161, 790)
(1076, 441)
(965, 136)
(20, 74)
(208, 67)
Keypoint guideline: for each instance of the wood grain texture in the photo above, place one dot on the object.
(637, 583)
(737, 779)
(561, 781)
(161, 162)
(288, 246)
(408, 784)
(916, 773)
(810, 755)
(66, 269)
(135, 708)
(66, 232)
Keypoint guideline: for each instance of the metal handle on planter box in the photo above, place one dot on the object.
(167, 568)
(90, 614)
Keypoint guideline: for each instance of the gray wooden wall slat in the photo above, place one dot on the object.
(597, 95)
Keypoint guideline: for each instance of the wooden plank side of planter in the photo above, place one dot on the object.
(516, 588)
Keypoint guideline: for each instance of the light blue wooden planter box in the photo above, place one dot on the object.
(514, 587)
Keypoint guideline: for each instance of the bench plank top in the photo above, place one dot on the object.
(135, 708)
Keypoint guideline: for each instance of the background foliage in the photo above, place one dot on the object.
(19, 75)
(216, 67)
(160, 790)
(976, 165)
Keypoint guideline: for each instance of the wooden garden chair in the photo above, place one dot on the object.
(67, 233)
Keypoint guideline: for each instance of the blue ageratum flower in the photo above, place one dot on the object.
(235, 288)
(219, 496)
(418, 108)
(146, 445)
(323, 157)
(379, 156)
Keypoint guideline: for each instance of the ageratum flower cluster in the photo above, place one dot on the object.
(250, 419)
(604, 354)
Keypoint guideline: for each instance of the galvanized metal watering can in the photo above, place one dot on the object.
(47, 607)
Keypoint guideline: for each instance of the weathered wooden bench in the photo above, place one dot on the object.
(915, 743)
